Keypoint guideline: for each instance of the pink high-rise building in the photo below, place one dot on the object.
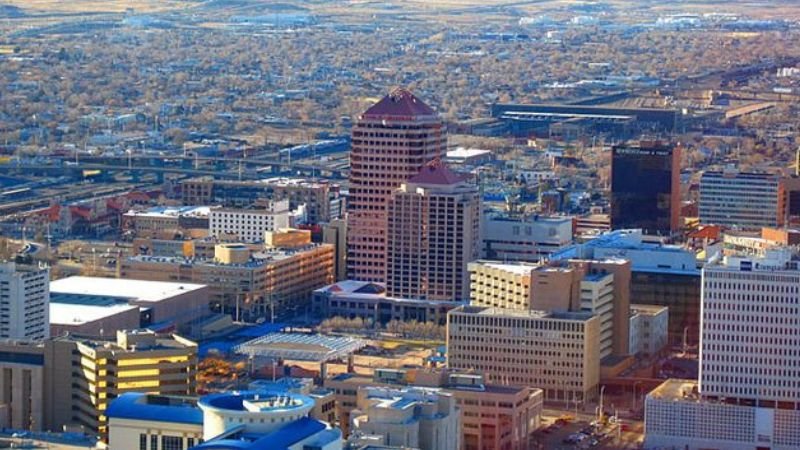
(433, 233)
(391, 142)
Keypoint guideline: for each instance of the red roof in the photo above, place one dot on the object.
(80, 211)
(399, 103)
(436, 172)
(52, 212)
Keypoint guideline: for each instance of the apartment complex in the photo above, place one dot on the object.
(558, 352)
(249, 225)
(391, 142)
(246, 283)
(528, 238)
(741, 200)
(24, 301)
(645, 187)
(433, 231)
(322, 198)
(747, 394)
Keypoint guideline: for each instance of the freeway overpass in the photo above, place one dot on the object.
(226, 169)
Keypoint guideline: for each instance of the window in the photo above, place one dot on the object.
(143, 442)
(153, 442)
(171, 443)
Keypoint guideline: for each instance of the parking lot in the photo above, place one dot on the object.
(579, 433)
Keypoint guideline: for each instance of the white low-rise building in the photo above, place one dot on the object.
(249, 225)
(677, 417)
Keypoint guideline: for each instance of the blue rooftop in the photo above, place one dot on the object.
(158, 408)
(280, 439)
(263, 400)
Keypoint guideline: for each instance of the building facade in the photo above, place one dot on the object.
(741, 200)
(22, 372)
(241, 420)
(249, 225)
(391, 142)
(498, 285)
(747, 394)
(492, 416)
(245, 283)
(750, 322)
(556, 352)
(648, 330)
(530, 238)
(645, 187)
(423, 418)
(433, 231)
(369, 301)
(24, 301)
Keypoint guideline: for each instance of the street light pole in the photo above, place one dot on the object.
(602, 390)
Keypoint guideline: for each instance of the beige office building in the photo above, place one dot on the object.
(433, 233)
(558, 352)
(599, 287)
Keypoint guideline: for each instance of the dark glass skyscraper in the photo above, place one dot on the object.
(645, 187)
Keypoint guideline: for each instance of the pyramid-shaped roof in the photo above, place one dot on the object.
(436, 172)
(399, 103)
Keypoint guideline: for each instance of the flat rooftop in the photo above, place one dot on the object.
(531, 314)
(520, 268)
(257, 259)
(80, 313)
(648, 309)
(676, 389)
(462, 152)
(172, 211)
(119, 289)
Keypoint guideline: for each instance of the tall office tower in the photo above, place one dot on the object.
(25, 301)
(747, 395)
(433, 231)
(750, 322)
(391, 142)
(741, 200)
(645, 187)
